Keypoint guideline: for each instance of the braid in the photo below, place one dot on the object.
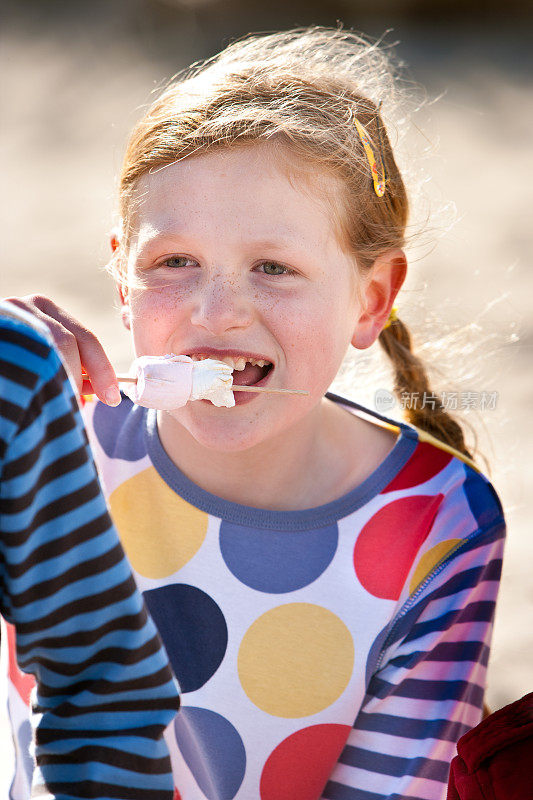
(410, 376)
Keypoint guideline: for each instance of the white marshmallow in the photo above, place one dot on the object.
(169, 382)
(212, 380)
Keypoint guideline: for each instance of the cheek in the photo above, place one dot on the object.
(313, 350)
(316, 324)
(316, 341)
(158, 307)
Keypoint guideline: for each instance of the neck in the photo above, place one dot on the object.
(280, 473)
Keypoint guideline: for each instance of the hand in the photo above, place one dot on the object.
(80, 349)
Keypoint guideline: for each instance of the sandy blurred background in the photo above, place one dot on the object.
(74, 76)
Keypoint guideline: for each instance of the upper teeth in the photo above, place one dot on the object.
(238, 363)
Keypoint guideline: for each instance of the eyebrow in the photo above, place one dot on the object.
(151, 241)
(284, 238)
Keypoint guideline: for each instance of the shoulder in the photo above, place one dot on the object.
(10, 313)
(27, 352)
(31, 372)
(437, 510)
(429, 481)
(457, 518)
(466, 500)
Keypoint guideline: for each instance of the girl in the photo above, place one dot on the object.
(323, 577)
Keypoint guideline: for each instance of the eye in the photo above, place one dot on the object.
(177, 262)
(273, 268)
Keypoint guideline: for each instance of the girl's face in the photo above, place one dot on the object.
(232, 258)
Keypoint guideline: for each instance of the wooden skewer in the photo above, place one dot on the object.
(267, 390)
(234, 388)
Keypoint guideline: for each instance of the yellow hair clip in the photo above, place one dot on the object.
(393, 317)
(379, 179)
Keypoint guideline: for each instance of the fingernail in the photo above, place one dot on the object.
(112, 396)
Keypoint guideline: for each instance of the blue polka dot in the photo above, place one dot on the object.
(24, 740)
(276, 561)
(120, 437)
(213, 750)
(193, 630)
(483, 501)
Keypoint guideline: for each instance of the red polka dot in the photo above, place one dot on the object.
(302, 763)
(426, 462)
(389, 542)
(177, 795)
(22, 682)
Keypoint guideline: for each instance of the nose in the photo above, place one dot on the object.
(222, 305)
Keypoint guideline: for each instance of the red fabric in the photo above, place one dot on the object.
(495, 759)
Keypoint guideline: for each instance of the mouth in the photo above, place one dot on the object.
(248, 370)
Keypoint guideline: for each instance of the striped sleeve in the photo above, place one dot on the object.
(105, 691)
(428, 687)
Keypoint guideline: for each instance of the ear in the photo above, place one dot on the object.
(379, 290)
(125, 305)
(122, 285)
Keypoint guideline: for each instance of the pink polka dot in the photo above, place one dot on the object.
(22, 681)
(426, 462)
(301, 764)
(389, 542)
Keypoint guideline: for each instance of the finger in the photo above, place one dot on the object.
(79, 347)
(98, 367)
(64, 340)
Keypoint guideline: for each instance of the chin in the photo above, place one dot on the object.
(222, 429)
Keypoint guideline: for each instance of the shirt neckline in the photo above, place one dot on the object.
(302, 519)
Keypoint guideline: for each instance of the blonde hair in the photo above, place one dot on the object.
(301, 90)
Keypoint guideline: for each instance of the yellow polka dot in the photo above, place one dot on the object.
(296, 660)
(160, 532)
(429, 561)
